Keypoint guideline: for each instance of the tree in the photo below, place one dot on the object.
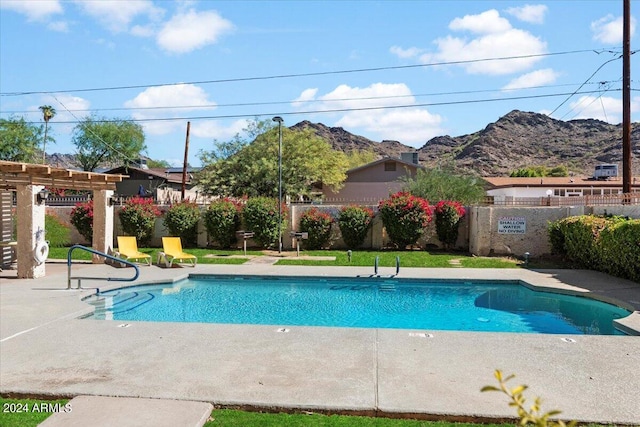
(103, 140)
(48, 112)
(437, 184)
(251, 169)
(19, 140)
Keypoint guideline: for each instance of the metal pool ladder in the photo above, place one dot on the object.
(375, 267)
(109, 279)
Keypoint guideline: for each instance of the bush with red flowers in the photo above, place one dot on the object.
(82, 219)
(354, 222)
(448, 215)
(405, 217)
(137, 217)
(318, 224)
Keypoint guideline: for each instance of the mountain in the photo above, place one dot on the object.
(518, 139)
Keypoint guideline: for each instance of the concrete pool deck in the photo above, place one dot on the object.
(45, 350)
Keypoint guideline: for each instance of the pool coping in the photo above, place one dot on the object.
(47, 351)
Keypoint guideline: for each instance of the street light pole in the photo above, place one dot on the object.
(279, 120)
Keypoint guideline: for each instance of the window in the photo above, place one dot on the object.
(389, 166)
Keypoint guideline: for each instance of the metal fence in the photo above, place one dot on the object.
(607, 200)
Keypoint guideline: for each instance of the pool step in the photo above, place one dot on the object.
(387, 287)
(131, 302)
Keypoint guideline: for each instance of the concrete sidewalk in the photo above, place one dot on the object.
(100, 411)
(47, 351)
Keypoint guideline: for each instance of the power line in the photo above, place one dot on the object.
(320, 73)
(311, 101)
(339, 110)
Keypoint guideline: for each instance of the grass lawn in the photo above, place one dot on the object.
(222, 256)
(22, 412)
(407, 259)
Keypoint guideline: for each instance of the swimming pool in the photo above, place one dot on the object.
(491, 306)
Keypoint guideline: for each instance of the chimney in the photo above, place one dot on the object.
(409, 157)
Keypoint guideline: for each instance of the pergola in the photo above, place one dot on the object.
(28, 180)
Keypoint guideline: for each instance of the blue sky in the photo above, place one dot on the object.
(397, 70)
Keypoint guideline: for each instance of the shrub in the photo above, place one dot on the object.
(222, 219)
(354, 222)
(181, 219)
(261, 216)
(581, 234)
(318, 225)
(57, 233)
(448, 215)
(619, 249)
(405, 217)
(82, 219)
(137, 217)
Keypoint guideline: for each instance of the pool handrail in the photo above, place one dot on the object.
(102, 254)
(377, 261)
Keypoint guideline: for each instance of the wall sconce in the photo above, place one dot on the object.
(42, 195)
(112, 200)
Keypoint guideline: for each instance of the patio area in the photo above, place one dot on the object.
(46, 350)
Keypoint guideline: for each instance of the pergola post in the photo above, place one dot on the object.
(30, 223)
(102, 223)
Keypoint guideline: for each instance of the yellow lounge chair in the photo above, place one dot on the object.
(128, 249)
(172, 251)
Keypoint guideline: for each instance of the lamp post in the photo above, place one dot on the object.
(279, 120)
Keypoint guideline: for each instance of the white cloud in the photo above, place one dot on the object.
(492, 37)
(603, 108)
(409, 125)
(59, 26)
(192, 30)
(405, 53)
(214, 130)
(117, 15)
(531, 13)
(68, 108)
(180, 100)
(488, 22)
(608, 29)
(532, 79)
(33, 10)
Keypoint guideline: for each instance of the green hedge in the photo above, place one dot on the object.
(610, 244)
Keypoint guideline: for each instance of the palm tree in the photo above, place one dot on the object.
(48, 112)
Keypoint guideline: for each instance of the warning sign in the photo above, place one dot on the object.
(512, 225)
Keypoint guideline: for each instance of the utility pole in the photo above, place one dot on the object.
(626, 98)
(185, 163)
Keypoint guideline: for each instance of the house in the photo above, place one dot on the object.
(508, 190)
(374, 181)
(164, 184)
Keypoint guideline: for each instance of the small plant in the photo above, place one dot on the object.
(318, 225)
(531, 416)
(222, 219)
(354, 222)
(448, 215)
(261, 216)
(181, 219)
(82, 219)
(405, 217)
(137, 217)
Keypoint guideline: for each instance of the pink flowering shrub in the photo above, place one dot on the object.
(82, 219)
(138, 217)
(405, 217)
(448, 215)
(318, 224)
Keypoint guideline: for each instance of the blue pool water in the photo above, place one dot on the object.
(496, 306)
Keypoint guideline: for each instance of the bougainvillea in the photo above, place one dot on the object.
(181, 219)
(222, 219)
(405, 217)
(448, 215)
(138, 217)
(82, 219)
(354, 222)
(318, 225)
